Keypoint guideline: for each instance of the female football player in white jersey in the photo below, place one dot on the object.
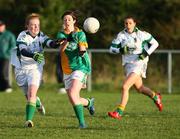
(28, 60)
(135, 46)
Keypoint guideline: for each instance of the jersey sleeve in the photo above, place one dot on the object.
(12, 41)
(44, 40)
(60, 35)
(22, 41)
(116, 44)
(82, 42)
(153, 44)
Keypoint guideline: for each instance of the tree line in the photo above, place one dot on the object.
(159, 17)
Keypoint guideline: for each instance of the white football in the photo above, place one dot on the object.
(91, 25)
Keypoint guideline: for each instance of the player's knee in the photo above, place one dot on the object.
(125, 87)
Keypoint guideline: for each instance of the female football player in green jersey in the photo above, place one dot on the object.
(135, 46)
(75, 64)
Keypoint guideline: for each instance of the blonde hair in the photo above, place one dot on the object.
(31, 16)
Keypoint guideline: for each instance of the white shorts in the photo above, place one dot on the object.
(26, 77)
(139, 68)
(79, 75)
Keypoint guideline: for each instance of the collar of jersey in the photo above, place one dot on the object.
(135, 30)
(75, 30)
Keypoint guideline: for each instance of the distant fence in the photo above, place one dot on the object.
(169, 64)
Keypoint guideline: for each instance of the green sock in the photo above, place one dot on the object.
(79, 113)
(30, 110)
(155, 98)
(120, 111)
(38, 102)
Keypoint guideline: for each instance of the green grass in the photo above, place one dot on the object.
(141, 119)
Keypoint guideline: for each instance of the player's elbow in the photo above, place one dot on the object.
(113, 50)
(154, 43)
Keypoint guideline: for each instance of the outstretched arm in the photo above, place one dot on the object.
(39, 57)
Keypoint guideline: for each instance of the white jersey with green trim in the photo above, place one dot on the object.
(31, 44)
(135, 42)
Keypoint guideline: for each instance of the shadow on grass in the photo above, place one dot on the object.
(103, 128)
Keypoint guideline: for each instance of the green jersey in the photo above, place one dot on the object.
(7, 43)
(70, 58)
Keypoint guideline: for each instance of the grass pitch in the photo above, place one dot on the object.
(141, 118)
